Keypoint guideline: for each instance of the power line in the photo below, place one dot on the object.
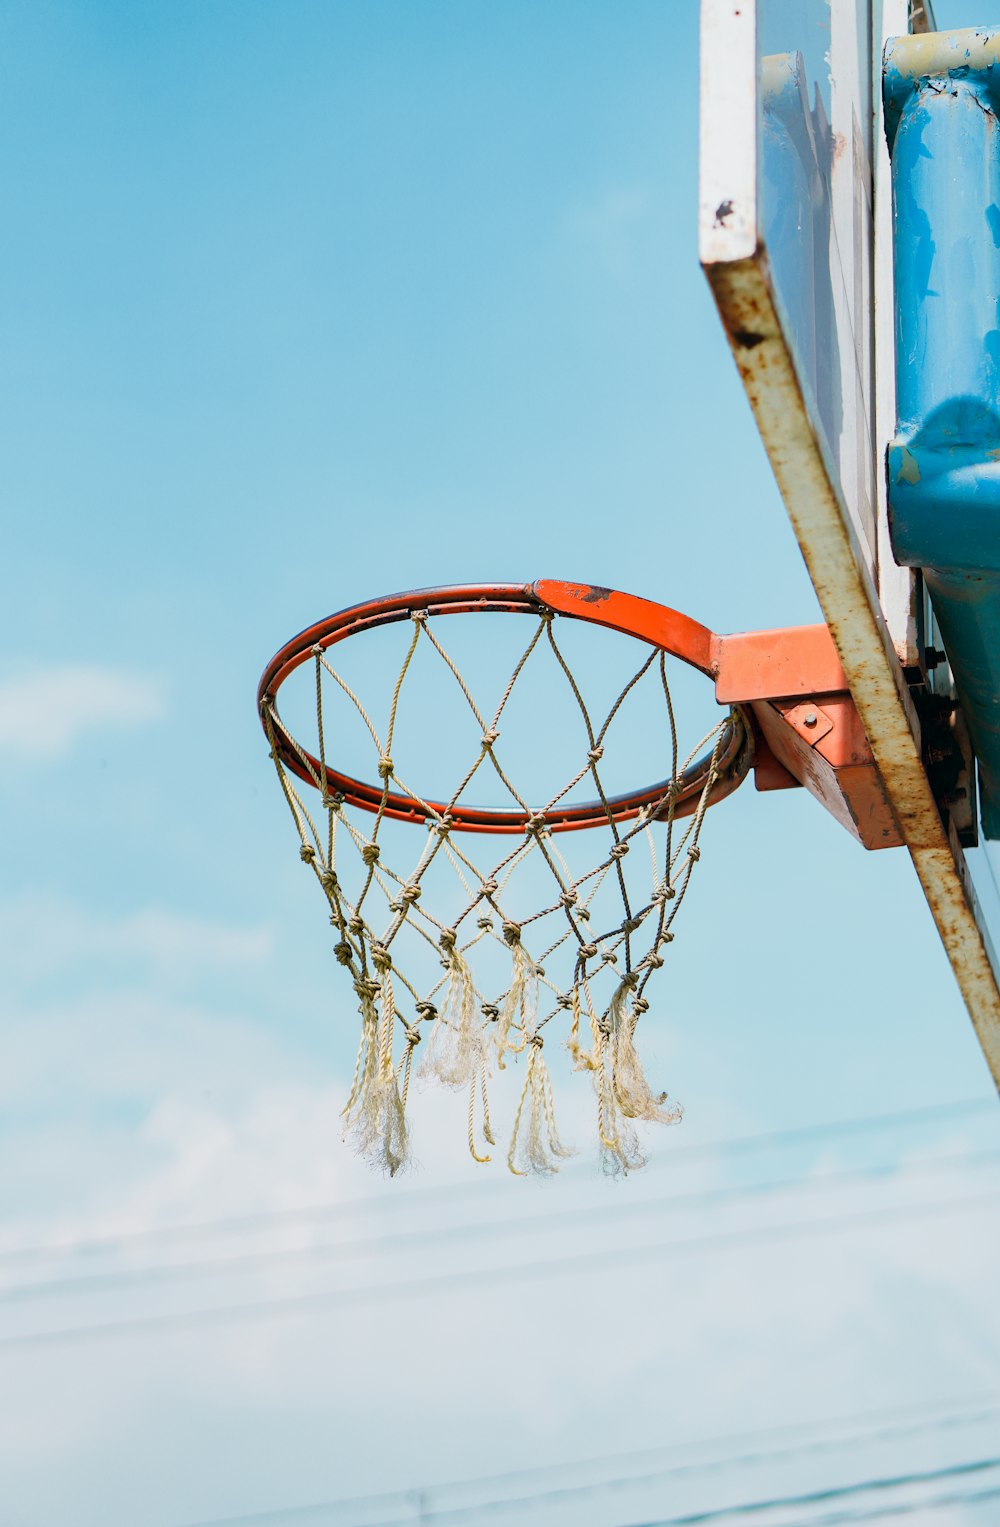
(634, 1480)
(818, 1497)
(800, 1134)
(902, 1508)
(254, 1310)
(409, 1239)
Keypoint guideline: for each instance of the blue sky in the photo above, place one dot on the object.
(307, 302)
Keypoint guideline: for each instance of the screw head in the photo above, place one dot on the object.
(810, 718)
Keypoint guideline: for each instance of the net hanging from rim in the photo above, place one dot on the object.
(519, 946)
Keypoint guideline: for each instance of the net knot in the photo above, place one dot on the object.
(596, 754)
(491, 1011)
(587, 951)
(619, 851)
(385, 767)
(489, 738)
(568, 899)
(641, 1005)
(412, 1036)
(604, 1028)
(485, 924)
(410, 893)
(583, 914)
(536, 1041)
(381, 958)
(367, 988)
(448, 939)
(307, 853)
(564, 1001)
(333, 802)
(630, 980)
(370, 853)
(329, 880)
(654, 961)
(344, 953)
(694, 854)
(317, 650)
(535, 823)
(490, 886)
(419, 616)
(512, 933)
(427, 1010)
(441, 825)
(631, 924)
(356, 924)
(667, 893)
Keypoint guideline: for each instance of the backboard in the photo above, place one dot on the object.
(795, 236)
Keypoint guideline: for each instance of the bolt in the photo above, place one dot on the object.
(810, 718)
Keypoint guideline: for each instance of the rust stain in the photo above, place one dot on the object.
(591, 593)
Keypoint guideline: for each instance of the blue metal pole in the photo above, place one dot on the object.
(942, 99)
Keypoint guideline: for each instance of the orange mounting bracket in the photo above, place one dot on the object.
(807, 728)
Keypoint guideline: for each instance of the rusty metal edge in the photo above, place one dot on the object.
(922, 16)
(849, 602)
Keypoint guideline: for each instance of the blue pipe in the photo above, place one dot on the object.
(942, 99)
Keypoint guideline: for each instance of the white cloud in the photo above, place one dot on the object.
(127, 1111)
(44, 711)
(671, 1350)
(41, 935)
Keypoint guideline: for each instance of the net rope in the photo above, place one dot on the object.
(595, 982)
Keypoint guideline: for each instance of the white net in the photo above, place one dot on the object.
(555, 934)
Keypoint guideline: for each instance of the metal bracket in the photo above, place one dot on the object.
(808, 724)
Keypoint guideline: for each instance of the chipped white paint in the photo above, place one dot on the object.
(727, 170)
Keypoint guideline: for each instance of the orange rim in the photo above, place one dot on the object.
(656, 625)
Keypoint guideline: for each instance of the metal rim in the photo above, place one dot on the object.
(735, 754)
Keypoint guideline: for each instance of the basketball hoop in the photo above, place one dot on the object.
(588, 967)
